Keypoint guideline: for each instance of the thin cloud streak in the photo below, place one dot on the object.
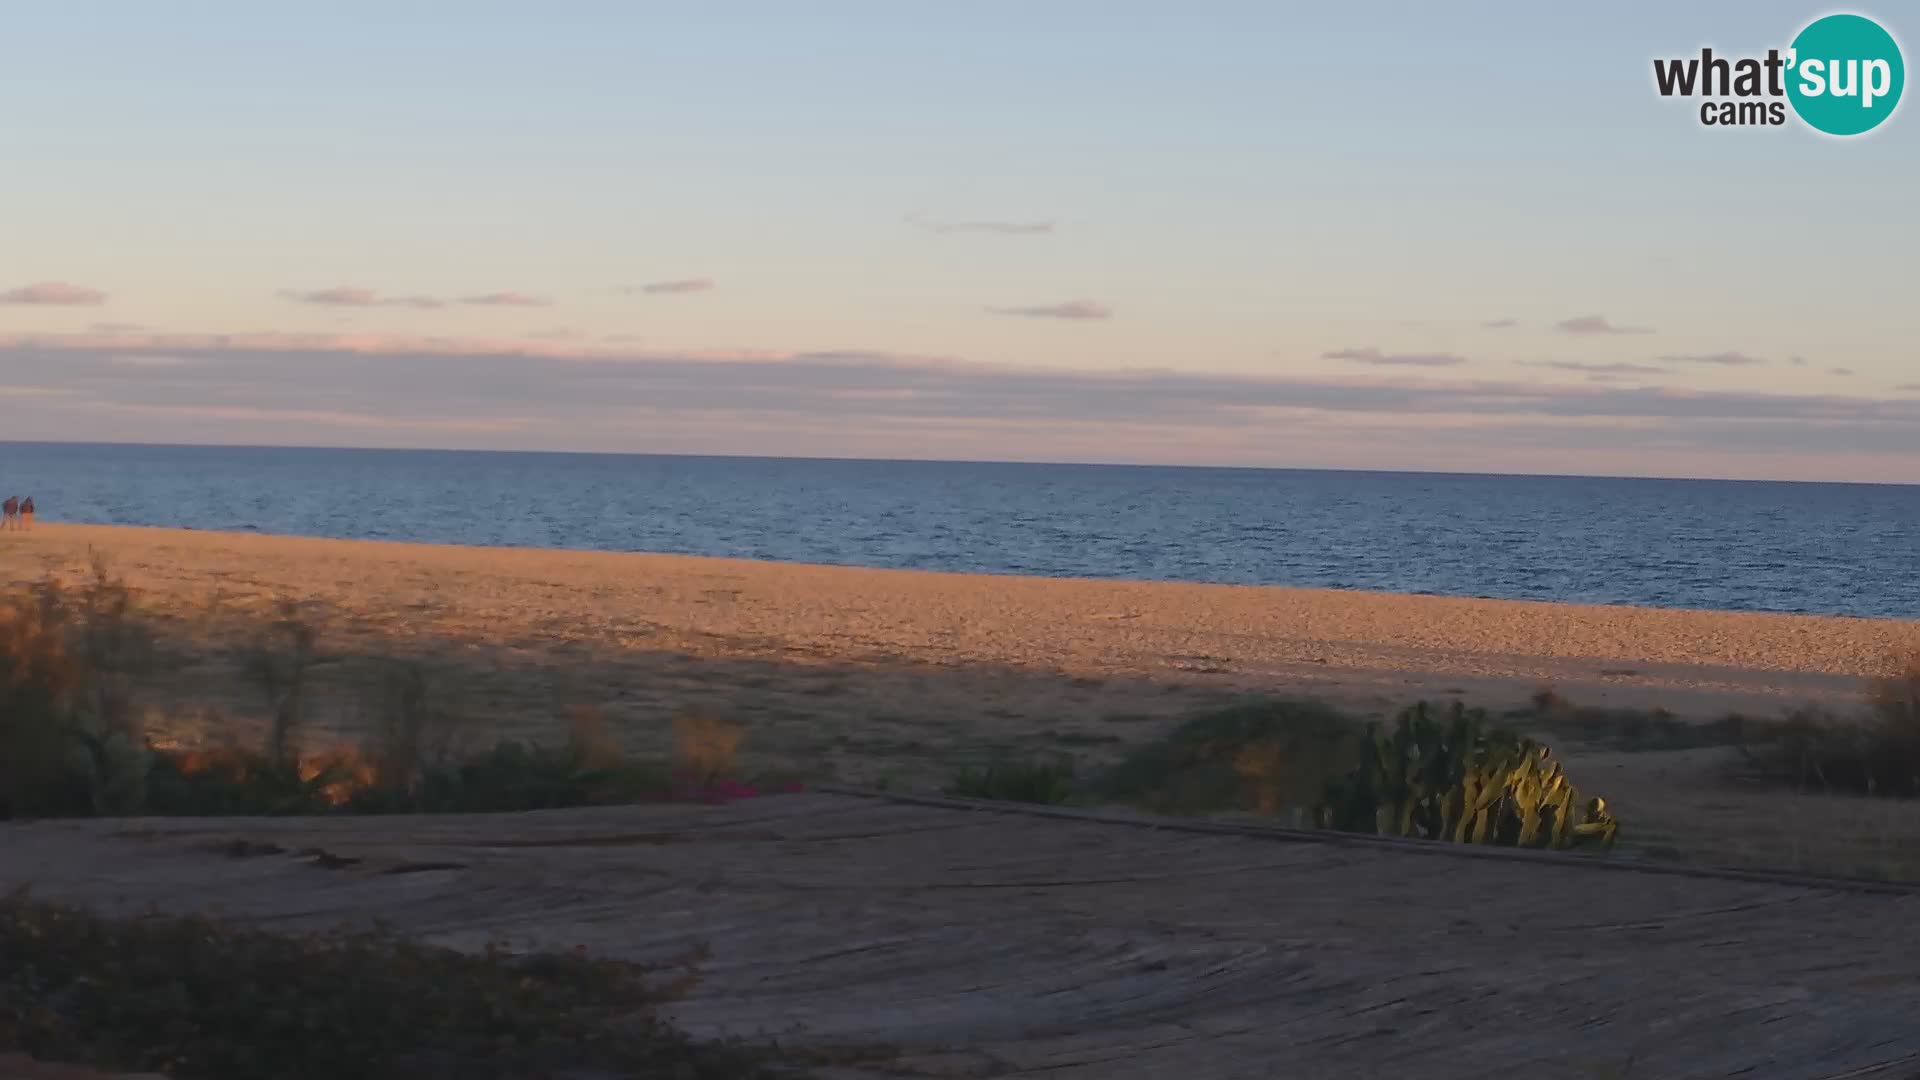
(686, 285)
(1370, 355)
(352, 296)
(1080, 310)
(500, 372)
(1599, 369)
(1589, 325)
(1501, 324)
(505, 299)
(54, 294)
(1723, 359)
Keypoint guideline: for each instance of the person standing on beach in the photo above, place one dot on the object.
(12, 508)
(26, 513)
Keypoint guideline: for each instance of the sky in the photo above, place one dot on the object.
(1466, 236)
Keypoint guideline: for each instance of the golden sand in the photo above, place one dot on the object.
(871, 674)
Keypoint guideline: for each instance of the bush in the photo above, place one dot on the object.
(69, 742)
(279, 661)
(1044, 782)
(1874, 753)
(200, 1000)
(1637, 730)
(1261, 757)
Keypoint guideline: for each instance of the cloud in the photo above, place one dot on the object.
(1500, 324)
(350, 296)
(425, 391)
(1724, 359)
(1002, 228)
(685, 285)
(1370, 355)
(1072, 309)
(55, 294)
(1910, 387)
(1840, 371)
(1598, 369)
(1797, 361)
(115, 327)
(153, 360)
(1587, 325)
(506, 299)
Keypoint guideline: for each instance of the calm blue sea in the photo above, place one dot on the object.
(1828, 548)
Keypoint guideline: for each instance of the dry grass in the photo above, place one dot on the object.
(705, 746)
(69, 743)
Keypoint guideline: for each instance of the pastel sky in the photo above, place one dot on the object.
(1461, 236)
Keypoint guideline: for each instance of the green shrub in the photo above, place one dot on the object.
(200, 1000)
(280, 661)
(1636, 730)
(1876, 752)
(1455, 777)
(517, 776)
(1046, 782)
(1260, 757)
(69, 742)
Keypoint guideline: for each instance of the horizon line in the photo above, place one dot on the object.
(938, 461)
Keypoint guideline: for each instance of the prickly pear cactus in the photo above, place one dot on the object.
(1454, 778)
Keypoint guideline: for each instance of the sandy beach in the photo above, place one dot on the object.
(870, 676)
(517, 633)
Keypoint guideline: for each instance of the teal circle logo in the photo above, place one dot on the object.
(1845, 75)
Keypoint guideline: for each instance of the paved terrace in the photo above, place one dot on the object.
(983, 941)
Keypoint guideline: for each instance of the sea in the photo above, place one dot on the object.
(1840, 549)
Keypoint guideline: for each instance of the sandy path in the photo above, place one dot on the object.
(937, 942)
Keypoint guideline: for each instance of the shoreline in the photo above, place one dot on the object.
(605, 606)
(995, 575)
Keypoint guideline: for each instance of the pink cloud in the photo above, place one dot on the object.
(54, 293)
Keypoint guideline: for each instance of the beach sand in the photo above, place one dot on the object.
(872, 675)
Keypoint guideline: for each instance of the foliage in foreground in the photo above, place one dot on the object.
(1874, 751)
(1454, 777)
(1261, 757)
(70, 743)
(1877, 753)
(1451, 777)
(1045, 782)
(199, 999)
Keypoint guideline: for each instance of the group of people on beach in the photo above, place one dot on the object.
(19, 513)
